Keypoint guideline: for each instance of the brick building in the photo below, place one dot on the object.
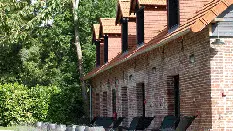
(182, 63)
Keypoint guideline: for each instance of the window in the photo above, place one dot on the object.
(105, 48)
(97, 53)
(124, 107)
(140, 26)
(173, 14)
(105, 104)
(124, 32)
(141, 101)
(114, 101)
(97, 105)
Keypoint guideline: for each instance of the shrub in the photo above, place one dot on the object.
(20, 104)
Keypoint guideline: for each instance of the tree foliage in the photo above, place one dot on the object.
(20, 104)
(37, 47)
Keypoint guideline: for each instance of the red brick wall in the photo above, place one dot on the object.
(114, 46)
(189, 7)
(154, 21)
(132, 38)
(101, 53)
(222, 82)
(201, 82)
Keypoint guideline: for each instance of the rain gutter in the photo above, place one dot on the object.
(143, 51)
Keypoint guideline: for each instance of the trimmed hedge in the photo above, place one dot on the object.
(20, 104)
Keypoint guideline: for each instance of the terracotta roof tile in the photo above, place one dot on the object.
(108, 26)
(209, 14)
(202, 18)
(133, 3)
(96, 31)
(152, 2)
(125, 7)
(123, 10)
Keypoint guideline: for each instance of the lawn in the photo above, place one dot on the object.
(18, 128)
(7, 128)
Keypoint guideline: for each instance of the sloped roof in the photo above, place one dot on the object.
(107, 26)
(202, 18)
(96, 31)
(123, 10)
(133, 3)
(152, 2)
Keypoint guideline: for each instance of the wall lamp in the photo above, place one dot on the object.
(218, 41)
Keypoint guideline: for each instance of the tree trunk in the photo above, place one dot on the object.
(79, 55)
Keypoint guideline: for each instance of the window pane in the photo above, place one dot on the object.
(140, 26)
(173, 13)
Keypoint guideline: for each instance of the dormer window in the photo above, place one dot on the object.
(140, 26)
(124, 36)
(173, 14)
(105, 49)
(97, 43)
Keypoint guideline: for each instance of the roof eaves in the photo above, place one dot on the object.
(138, 52)
(107, 26)
(210, 15)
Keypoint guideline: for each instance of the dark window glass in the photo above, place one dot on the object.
(173, 13)
(140, 26)
(105, 48)
(114, 101)
(105, 104)
(97, 53)
(97, 105)
(124, 36)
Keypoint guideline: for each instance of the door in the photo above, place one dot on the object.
(177, 95)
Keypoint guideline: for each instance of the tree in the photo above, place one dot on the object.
(37, 41)
(79, 53)
(88, 12)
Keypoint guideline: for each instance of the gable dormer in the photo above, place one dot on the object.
(111, 35)
(151, 18)
(179, 11)
(127, 21)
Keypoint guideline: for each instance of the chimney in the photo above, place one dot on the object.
(151, 18)
(111, 35)
(127, 21)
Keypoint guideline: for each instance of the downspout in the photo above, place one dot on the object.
(90, 102)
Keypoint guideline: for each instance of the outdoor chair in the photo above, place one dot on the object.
(132, 126)
(185, 122)
(169, 123)
(116, 123)
(86, 121)
(144, 123)
(106, 122)
(139, 123)
(93, 121)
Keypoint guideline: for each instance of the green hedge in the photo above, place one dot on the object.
(20, 104)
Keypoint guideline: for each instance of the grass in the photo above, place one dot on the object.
(18, 128)
(7, 128)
